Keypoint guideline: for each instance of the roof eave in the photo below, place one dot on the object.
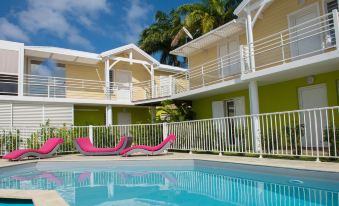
(177, 50)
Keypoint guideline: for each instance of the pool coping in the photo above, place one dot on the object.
(54, 199)
(38, 197)
(277, 163)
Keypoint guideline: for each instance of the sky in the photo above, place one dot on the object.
(86, 25)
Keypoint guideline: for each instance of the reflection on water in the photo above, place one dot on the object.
(201, 186)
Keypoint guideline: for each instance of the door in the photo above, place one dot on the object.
(228, 53)
(123, 80)
(124, 118)
(303, 40)
(164, 86)
(313, 97)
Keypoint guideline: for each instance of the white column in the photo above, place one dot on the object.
(152, 81)
(250, 39)
(109, 115)
(254, 106)
(107, 80)
(21, 72)
(336, 26)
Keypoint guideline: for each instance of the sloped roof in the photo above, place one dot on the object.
(226, 30)
(62, 54)
(128, 47)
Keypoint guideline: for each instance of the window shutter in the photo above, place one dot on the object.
(218, 109)
(5, 115)
(27, 115)
(9, 61)
(58, 115)
(239, 106)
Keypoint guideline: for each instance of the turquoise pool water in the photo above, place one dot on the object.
(14, 202)
(174, 183)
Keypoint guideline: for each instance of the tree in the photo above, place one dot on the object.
(204, 16)
(157, 37)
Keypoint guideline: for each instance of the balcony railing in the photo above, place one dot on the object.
(311, 38)
(57, 87)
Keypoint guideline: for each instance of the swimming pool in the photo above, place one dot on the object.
(15, 202)
(174, 182)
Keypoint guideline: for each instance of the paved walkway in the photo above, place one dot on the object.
(295, 164)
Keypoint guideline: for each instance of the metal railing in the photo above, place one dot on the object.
(299, 133)
(311, 38)
(152, 89)
(57, 87)
(214, 71)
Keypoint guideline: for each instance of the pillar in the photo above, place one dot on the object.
(254, 107)
(109, 115)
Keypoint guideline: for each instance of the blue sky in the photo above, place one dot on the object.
(88, 25)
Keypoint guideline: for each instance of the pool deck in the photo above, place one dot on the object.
(54, 199)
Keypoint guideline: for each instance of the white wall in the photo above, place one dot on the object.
(34, 114)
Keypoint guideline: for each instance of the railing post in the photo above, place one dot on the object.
(222, 68)
(336, 26)
(90, 133)
(282, 47)
(242, 63)
(171, 85)
(164, 130)
(131, 91)
(202, 75)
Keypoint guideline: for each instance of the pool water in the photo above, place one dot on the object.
(170, 182)
(15, 202)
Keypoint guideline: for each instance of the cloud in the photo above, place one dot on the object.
(10, 31)
(60, 18)
(137, 15)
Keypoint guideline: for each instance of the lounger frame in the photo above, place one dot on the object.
(37, 154)
(127, 143)
(148, 152)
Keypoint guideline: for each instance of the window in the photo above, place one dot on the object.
(8, 72)
(47, 79)
(329, 6)
(229, 108)
(8, 84)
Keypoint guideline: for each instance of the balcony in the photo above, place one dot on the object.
(311, 42)
(309, 39)
(70, 88)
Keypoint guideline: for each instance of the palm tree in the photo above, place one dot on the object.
(158, 36)
(204, 16)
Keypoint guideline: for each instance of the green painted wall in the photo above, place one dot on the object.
(139, 115)
(89, 115)
(95, 115)
(284, 96)
(275, 97)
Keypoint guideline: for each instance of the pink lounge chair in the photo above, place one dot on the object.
(47, 150)
(85, 147)
(150, 150)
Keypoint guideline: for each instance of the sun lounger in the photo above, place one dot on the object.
(147, 150)
(85, 147)
(47, 150)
